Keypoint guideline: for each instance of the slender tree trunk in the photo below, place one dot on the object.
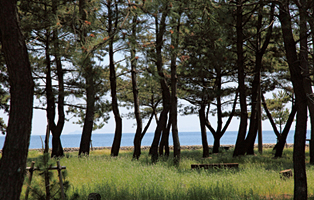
(283, 136)
(203, 131)
(219, 133)
(161, 126)
(256, 85)
(164, 142)
(300, 182)
(113, 84)
(240, 143)
(15, 149)
(57, 149)
(139, 127)
(174, 99)
(56, 130)
(90, 93)
(147, 125)
(250, 140)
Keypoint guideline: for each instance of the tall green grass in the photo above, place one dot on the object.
(123, 178)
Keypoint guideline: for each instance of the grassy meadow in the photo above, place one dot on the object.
(123, 178)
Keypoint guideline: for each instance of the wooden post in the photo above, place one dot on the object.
(60, 180)
(31, 170)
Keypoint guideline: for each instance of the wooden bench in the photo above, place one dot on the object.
(215, 165)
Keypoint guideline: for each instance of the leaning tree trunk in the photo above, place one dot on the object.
(15, 149)
(300, 182)
(283, 136)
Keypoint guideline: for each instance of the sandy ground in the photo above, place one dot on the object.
(192, 147)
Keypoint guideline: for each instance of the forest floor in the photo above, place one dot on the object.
(122, 177)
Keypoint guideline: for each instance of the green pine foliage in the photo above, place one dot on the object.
(278, 108)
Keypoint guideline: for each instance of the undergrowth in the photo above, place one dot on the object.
(124, 178)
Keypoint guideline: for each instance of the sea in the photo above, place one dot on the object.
(186, 138)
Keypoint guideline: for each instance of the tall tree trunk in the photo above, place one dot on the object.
(250, 140)
(201, 113)
(139, 125)
(174, 99)
(113, 82)
(256, 85)
(15, 149)
(240, 143)
(56, 130)
(305, 67)
(218, 134)
(311, 22)
(90, 93)
(161, 126)
(300, 182)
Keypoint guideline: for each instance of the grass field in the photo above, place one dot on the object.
(123, 178)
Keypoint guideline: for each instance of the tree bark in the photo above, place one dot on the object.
(90, 93)
(174, 99)
(300, 182)
(311, 22)
(161, 126)
(56, 130)
(137, 138)
(305, 67)
(15, 149)
(219, 133)
(283, 136)
(203, 131)
(113, 82)
(256, 85)
(164, 142)
(240, 143)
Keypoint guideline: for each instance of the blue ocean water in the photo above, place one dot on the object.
(186, 138)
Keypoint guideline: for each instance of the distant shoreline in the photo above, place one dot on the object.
(183, 147)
